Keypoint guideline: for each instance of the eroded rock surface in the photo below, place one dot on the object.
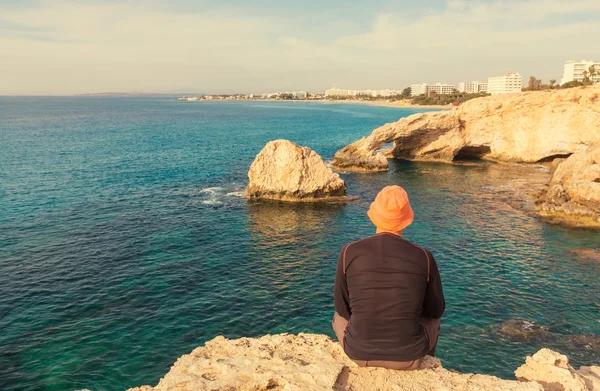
(553, 372)
(312, 362)
(286, 171)
(526, 127)
(573, 196)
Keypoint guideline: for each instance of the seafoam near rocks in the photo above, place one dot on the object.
(313, 362)
(286, 171)
(526, 127)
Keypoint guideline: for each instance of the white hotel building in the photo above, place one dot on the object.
(574, 71)
(299, 94)
(426, 89)
(472, 88)
(510, 83)
(336, 92)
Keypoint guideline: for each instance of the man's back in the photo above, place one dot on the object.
(384, 286)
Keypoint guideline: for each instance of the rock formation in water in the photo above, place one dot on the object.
(582, 346)
(286, 171)
(573, 196)
(312, 362)
(527, 127)
(521, 329)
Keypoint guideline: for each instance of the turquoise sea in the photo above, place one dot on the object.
(123, 243)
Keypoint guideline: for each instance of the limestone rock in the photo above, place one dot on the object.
(553, 372)
(526, 127)
(309, 362)
(574, 193)
(591, 376)
(286, 171)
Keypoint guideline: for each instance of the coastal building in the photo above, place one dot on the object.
(359, 92)
(474, 87)
(299, 94)
(426, 89)
(573, 71)
(385, 93)
(336, 92)
(418, 89)
(510, 83)
(353, 93)
(440, 89)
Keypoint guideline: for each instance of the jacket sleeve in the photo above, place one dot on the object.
(433, 303)
(340, 294)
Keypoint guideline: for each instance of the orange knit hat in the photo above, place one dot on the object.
(391, 210)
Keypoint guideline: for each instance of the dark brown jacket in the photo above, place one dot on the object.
(383, 286)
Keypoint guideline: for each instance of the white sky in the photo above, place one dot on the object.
(69, 47)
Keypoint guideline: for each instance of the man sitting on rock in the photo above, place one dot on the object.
(388, 292)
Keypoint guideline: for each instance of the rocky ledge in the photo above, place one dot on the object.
(308, 362)
(527, 127)
(573, 196)
(286, 171)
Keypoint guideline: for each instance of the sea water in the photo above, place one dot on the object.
(124, 243)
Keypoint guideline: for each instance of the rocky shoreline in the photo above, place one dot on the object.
(559, 126)
(387, 103)
(312, 362)
(530, 127)
(573, 195)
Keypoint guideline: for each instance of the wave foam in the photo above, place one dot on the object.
(212, 201)
(212, 190)
(217, 195)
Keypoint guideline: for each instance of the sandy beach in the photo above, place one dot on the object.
(387, 103)
(381, 103)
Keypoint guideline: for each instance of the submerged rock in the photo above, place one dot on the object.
(581, 347)
(286, 171)
(521, 329)
(573, 196)
(307, 362)
(585, 341)
(587, 254)
(526, 127)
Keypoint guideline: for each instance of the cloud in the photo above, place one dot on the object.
(73, 47)
(469, 39)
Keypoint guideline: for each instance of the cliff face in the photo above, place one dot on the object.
(286, 171)
(573, 196)
(527, 127)
(311, 362)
